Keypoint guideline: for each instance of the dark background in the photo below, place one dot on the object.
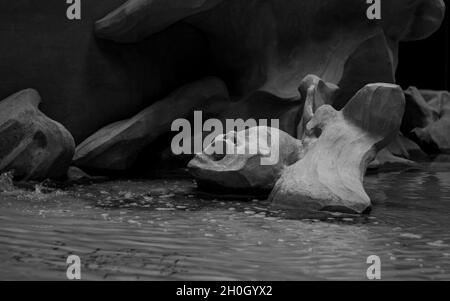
(425, 64)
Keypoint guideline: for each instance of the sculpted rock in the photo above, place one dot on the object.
(330, 175)
(427, 119)
(87, 82)
(261, 105)
(136, 20)
(399, 154)
(438, 132)
(250, 161)
(269, 45)
(74, 174)
(413, 20)
(261, 50)
(116, 146)
(386, 160)
(232, 172)
(315, 93)
(252, 45)
(31, 144)
(245, 171)
(418, 112)
(406, 148)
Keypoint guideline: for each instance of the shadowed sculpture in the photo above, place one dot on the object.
(32, 145)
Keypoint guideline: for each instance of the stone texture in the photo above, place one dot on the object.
(240, 167)
(387, 161)
(418, 112)
(31, 144)
(252, 45)
(330, 176)
(314, 94)
(261, 105)
(136, 20)
(74, 174)
(116, 146)
(406, 148)
(87, 82)
(128, 144)
(272, 45)
(243, 171)
(427, 119)
(225, 173)
(401, 153)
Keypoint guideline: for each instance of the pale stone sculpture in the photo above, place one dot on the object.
(244, 171)
(323, 171)
(240, 166)
(330, 176)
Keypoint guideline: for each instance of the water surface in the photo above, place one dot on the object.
(164, 230)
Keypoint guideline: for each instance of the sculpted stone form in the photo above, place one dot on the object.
(430, 125)
(406, 148)
(252, 45)
(400, 153)
(330, 175)
(315, 93)
(116, 146)
(323, 170)
(386, 160)
(136, 20)
(418, 112)
(240, 165)
(88, 82)
(269, 45)
(261, 49)
(31, 144)
(243, 170)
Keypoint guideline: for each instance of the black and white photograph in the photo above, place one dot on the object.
(224, 141)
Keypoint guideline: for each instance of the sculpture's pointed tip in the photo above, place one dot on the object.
(29, 96)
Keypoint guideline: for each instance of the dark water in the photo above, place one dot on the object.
(162, 230)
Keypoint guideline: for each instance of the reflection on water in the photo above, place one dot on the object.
(162, 230)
